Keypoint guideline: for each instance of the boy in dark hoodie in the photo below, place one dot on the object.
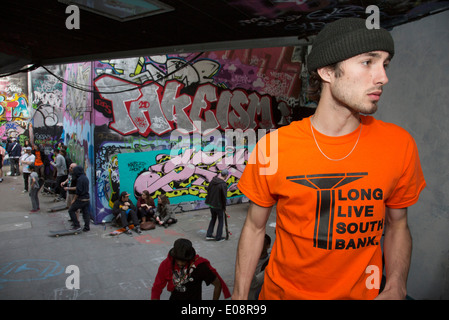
(81, 200)
(216, 200)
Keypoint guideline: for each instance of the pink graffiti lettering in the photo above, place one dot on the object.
(191, 171)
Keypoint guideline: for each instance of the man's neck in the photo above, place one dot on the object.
(334, 120)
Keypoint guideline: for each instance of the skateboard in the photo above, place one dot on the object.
(226, 225)
(120, 231)
(58, 208)
(64, 232)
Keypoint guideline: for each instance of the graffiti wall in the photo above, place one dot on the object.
(33, 112)
(170, 123)
(78, 124)
(46, 98)
(15, 109)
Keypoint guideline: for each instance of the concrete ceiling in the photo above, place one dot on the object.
(34, 31)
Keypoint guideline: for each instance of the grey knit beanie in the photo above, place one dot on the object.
(346, 38)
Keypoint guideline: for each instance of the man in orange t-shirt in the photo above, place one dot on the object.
(339, 180)
(38, 162)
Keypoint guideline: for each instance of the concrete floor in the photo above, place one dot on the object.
(33, 265)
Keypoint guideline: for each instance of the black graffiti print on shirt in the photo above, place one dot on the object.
(328, 193)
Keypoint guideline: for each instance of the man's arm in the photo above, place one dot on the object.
(116, 208)
(132, 206)
(249, 249)
(159, 282)
(217, 289)
(224, 192)
(57, 163)
(33, 181)
(397, 253)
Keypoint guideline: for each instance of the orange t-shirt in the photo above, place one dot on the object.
(330, 215)
(38, 161)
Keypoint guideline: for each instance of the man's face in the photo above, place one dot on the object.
(359, 86)
(180, 263)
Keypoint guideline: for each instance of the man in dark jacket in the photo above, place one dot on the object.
(14, 150)
(216, 200)
(81, 199)
(127, 211)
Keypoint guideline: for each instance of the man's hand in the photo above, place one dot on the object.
(392, 294)
(249, 249)
(397, 253)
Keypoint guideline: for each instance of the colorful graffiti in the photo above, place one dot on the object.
(183, 177)
(47, 98)
(164, 165)
(226, 89)
(78, 124)
(155, 109)
(77, 101)
(15, 111)
(141, 101)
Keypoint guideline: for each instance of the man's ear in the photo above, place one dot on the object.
(325, 73)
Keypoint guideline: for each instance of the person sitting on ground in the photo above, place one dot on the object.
(126, 211)
(164, 215)
(145, 207)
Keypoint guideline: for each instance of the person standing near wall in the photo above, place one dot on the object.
(81, 200)
(2, 161)
(61, 173)
(34, 189)
(26, 160)
(216, 200)
(70, 185)
(342, 179)
(39, 161)
(14, 150)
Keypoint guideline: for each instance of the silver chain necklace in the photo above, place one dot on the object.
(316, 142)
